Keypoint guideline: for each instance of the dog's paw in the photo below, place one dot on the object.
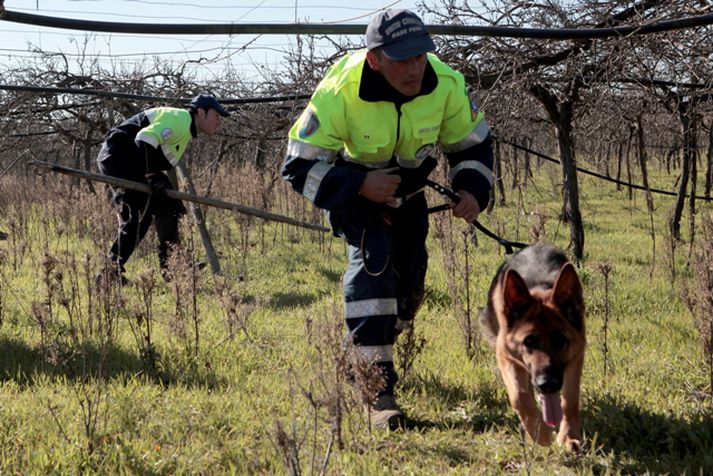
(570, 444)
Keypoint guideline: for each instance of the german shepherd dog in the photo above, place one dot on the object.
(535, 321)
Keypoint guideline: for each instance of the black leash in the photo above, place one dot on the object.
(447, 192)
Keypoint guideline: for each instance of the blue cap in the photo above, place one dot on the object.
(206, 101)
(399, 33)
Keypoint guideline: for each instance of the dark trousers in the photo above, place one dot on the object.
(384, 282)
(137, 210)
(136, 213)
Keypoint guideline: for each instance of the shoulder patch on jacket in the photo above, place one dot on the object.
(310, 124)
(473, 105)
(166, 133)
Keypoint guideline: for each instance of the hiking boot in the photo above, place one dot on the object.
(168, 274)
(385, 413)
(403, 326)
(110, 275)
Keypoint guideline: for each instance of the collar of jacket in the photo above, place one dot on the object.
(374, 87)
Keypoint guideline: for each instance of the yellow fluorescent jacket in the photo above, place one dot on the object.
(366, 132)
(169, 129)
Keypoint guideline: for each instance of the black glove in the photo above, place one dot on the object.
(413, 180)
(159, 183)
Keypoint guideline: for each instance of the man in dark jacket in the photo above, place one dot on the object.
(141, 149)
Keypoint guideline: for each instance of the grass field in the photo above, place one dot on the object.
(239, 374)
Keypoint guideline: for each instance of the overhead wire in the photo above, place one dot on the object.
(364, 15)
(226, 7)
(596, 174)
(99, 35)
(354, 29)
(327, 27)
(260, 6)
(55, 90)
(120, 15)
(146, 54)
(185, 100)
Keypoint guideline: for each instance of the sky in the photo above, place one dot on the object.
(18, 40)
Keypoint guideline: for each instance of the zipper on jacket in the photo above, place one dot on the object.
(398, 126)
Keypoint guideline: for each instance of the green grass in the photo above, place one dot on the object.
(217, 411)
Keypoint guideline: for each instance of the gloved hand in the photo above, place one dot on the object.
(414, 179)
(159, 183)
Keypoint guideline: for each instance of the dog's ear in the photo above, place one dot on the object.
(567, 295)
(516, 297)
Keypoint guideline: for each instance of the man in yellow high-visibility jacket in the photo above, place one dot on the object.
(362, 150)
(141, 149)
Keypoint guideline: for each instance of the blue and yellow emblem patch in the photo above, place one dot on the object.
(473, 109)
(310, 124)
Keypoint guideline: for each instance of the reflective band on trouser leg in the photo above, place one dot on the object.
(376, 353)
(370, 310)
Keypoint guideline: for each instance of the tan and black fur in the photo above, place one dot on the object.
(535, 321)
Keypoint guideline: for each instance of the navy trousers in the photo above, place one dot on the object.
(384, 282)
(137, 210)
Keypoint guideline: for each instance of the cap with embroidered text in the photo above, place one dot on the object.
(399, 33)
(206, 101)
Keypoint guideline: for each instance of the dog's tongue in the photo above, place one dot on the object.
(551, 408)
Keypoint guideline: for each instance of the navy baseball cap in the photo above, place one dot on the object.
(206, 101)
(400, 33)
